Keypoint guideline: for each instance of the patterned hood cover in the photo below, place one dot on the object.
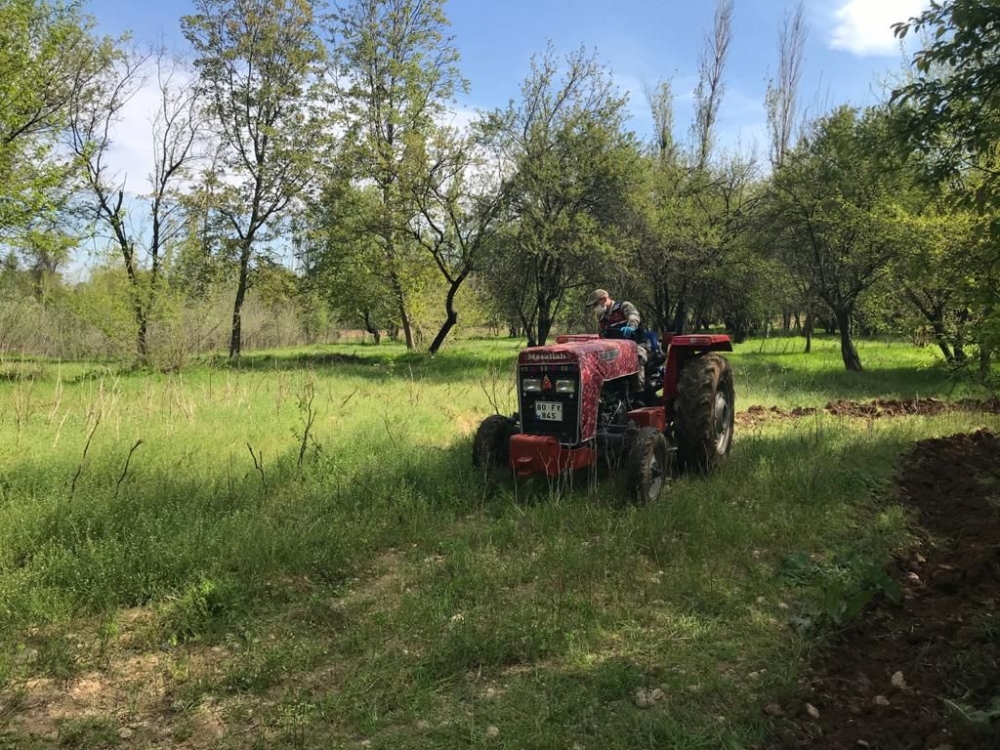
(598, 359)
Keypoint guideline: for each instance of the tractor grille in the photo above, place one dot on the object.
(536, 404)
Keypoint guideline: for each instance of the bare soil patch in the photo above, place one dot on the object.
(881, 407)
(921, 674)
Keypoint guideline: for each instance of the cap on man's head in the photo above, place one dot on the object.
(596, 296)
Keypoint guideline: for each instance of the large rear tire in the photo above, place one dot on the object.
(704, 412)
(491, 446)
(647, 466)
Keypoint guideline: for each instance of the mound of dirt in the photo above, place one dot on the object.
(922, 674)
(881, 407)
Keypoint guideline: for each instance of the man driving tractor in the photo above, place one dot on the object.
(577, 405)
(621, 320)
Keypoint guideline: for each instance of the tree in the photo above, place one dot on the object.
(570, 186)
(711, 86)
(460, 202)
(259, 65)
(936, 278)
(343, 257)
(782, 96)
(689, 198)
(395, 73)
(175, 132)
(834, 214)
(950, 112)
(951, 107)
(48, 53)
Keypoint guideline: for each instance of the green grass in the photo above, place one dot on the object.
(231, 589)
(776, 372)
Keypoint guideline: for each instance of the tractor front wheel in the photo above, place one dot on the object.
(647, 466)
(491, 446)
(704, 412)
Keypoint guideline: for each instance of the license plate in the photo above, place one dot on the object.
(548, 411)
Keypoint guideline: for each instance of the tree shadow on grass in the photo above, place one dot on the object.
(379, 364)
(876, 381)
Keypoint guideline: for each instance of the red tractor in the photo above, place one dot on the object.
(580, 404)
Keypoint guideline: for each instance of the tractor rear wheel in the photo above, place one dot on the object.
(704, 412)
(647, 466)
(491, 446)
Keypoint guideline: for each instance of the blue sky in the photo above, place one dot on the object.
(849, 49)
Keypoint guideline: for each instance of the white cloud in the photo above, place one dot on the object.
(130, 158)
(130, 155)
(459, 117)
(864, 27)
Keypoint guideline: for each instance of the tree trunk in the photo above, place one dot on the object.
(847, 351)
(372, 328)
(142, 343)
(544, 326)
(451, 317)
(945, 350)
(661, 307)
(529, 332)
(940, 335)
(934, 316)
(138, 310)
(808, 331)
(738, 327)
(404, 316)
(141, 318)
(680, 317)
(236, 337)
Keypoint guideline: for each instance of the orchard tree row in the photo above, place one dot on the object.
(309, 153)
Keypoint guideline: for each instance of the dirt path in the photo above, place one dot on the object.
(927, 407)
(923, 674)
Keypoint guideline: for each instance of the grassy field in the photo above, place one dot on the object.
(298, 554)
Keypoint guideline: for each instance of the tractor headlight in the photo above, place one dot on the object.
(531, 384)
(565, 386)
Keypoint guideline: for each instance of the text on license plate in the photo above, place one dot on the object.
(548, 411)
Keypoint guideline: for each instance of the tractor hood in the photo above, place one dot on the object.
(606, 359)
(597, 360)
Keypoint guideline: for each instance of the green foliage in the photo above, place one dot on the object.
(342, 257)
(104, 304)
(261, 74)
(90, 733)
(835, 214)
(571, 194)
(845, 589)
(395, 70)
(945, 114)
(697, 259)
(205, 607)
(47, 54)
(32, 39)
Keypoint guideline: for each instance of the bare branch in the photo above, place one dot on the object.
(711, 86)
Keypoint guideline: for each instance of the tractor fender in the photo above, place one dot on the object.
(683, 347)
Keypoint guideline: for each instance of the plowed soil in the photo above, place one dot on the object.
(927, 407)
(924, 673)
